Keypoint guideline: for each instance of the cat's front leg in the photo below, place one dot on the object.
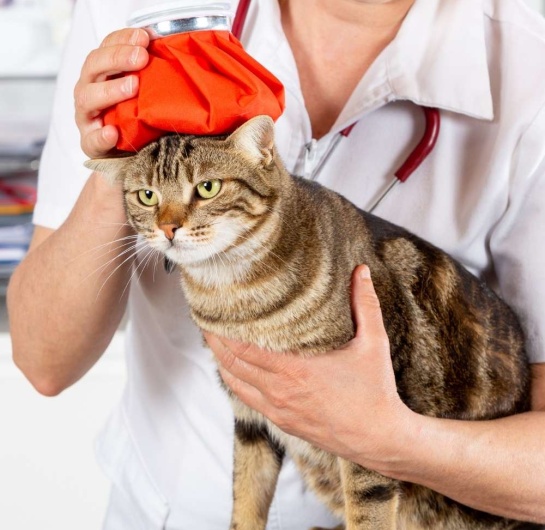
(257, 462)
(371, 500)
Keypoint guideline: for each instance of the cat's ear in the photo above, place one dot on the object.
(111, 168)
(256, 139)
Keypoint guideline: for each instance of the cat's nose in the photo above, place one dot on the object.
(169, 230)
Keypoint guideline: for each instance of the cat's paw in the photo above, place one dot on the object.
(340, 527)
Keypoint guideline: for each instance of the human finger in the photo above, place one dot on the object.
(131, 36)
(124, 50)
(221, 350)
(233, 363)
(366, 306)
(104, 62)
(273, 362)
(98, 142)
(92, 98)
(247, 393)
(120, 52)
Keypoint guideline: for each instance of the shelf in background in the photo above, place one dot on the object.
(25, 110)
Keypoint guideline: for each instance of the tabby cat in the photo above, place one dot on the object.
(267, 258)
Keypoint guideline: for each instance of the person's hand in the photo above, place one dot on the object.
(121, 51)
(344, 401)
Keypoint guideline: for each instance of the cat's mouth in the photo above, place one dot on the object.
(185, 252)
(181, 251)
(190, 245)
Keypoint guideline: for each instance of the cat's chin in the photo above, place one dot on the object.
(190, 257)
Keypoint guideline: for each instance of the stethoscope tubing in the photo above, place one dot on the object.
(412, 162)
(417, 155)
(240, 18)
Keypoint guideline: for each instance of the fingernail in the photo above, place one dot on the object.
(135, 54)
(128, 85)
(134, 37)
(106, 135)
(365, 273)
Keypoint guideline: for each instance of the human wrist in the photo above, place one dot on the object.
(392, 453)
(101, 205)
(418, 447)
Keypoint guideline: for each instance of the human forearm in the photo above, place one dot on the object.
(346, 403)
(67, 298)
(494, 466)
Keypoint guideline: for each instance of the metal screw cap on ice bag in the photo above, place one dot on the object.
(183, 16)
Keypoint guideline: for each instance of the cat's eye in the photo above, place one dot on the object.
(148, 197)
(208, 188)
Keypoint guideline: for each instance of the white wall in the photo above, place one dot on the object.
(48, 476)
(537, 4)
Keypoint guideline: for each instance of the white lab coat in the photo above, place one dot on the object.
(168, 445)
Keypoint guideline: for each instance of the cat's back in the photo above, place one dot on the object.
(449, 333)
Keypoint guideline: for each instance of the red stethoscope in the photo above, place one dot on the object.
(413, 161)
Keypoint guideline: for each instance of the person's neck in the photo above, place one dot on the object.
(369, 15)
(334, 42)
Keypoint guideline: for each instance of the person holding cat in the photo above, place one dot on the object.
(478, 197)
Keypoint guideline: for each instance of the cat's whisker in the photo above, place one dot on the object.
(255, 241)
(273, 210)
(133, 246)
(128, 258)
(230, 256)
(102, 246)
(120, 247)
(109, 262)
(243, 256)
(135, 269)
(128, 240)
(239, 236)
(217, 267)
(218, 270)
(158, 255)
(260, 245)
(114, 271)
(231, 265)
(148, 257)
(219, 257)
(101, 224)
(142, 264)
(175, 130)
(136, 151)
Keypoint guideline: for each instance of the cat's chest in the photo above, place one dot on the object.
(218, 277)
(296, 447)
(278, 311)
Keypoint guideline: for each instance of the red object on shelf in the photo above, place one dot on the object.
(199, 82)
(16, 198)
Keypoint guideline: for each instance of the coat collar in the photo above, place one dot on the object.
(438, 59)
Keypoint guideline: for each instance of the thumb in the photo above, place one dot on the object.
(366, 306)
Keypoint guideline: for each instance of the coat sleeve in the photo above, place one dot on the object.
(62, 174)
(517, 243)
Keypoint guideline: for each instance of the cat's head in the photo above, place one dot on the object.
(194, 198)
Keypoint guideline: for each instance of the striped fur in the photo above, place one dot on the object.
(269, 261)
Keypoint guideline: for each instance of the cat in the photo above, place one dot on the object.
(267, 258)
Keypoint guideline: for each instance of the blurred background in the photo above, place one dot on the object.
(48, 476)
